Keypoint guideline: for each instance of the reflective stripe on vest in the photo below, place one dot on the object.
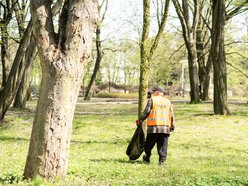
(160, 113)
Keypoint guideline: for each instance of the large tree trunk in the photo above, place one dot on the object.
(23, 90)
(62, 61)
(218, 57)
(50, 140)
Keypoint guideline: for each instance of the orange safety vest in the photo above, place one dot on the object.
(160, 113)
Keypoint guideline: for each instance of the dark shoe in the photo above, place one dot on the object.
(146, 159)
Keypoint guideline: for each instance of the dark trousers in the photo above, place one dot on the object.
(162, 143)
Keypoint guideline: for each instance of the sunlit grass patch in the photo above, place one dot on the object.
(204, 149)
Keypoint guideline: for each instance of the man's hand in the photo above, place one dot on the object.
(138, 122)
(172, 128)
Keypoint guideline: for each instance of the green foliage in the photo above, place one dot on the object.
(166, 65)
(204, 150)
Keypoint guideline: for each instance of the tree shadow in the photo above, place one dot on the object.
(117, 141)
(117, 160)
(5, 138)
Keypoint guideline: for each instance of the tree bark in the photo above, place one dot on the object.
(147, 49)
(6, 13)
(98, 49)
(203, 66)
(189, 35)
(62, 60)
(97, 65)
(4, 57)
(23, 90)
(218, 57)
(14, 79)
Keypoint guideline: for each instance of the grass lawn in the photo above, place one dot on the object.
(204, 149)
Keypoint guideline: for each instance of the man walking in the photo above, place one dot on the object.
(160, 122)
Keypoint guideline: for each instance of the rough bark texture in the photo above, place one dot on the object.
(218, 57)
(189, 35)
(23, 90)
(203, 66)
(147, 49)
(14, 79)
(62, 59)
(4, 57)
(6, 16)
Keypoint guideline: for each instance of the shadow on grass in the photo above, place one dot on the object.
(111, 141)
(202, 114)
(109, 160)
(6, 138)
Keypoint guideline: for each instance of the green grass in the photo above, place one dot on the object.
(204, 149)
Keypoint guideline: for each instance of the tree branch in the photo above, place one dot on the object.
(237, 69)
(161, 27)
(237, 10)
(43, 23)
(177, 50)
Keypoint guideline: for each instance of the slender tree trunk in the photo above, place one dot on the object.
(200, 57)
(144, 64)
(189, 35)
(6, 10)
(204, 67)
(4, 56)
(14, 79)
(97, 64)
(23, 90)
(147, 49)
(218, 57)
(206, 83)
(62, 60)
(193, 74)
(143, 84)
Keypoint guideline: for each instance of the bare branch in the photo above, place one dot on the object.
(177, 50)
(241, 55)
(236, 68)
(57, 6)
(236, 10)
(105, 10)
(161, 27)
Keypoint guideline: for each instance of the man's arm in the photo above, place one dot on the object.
(146, 112)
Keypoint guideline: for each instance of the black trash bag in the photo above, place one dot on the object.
(137, 144)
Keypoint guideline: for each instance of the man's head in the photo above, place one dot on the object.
(158, 90)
